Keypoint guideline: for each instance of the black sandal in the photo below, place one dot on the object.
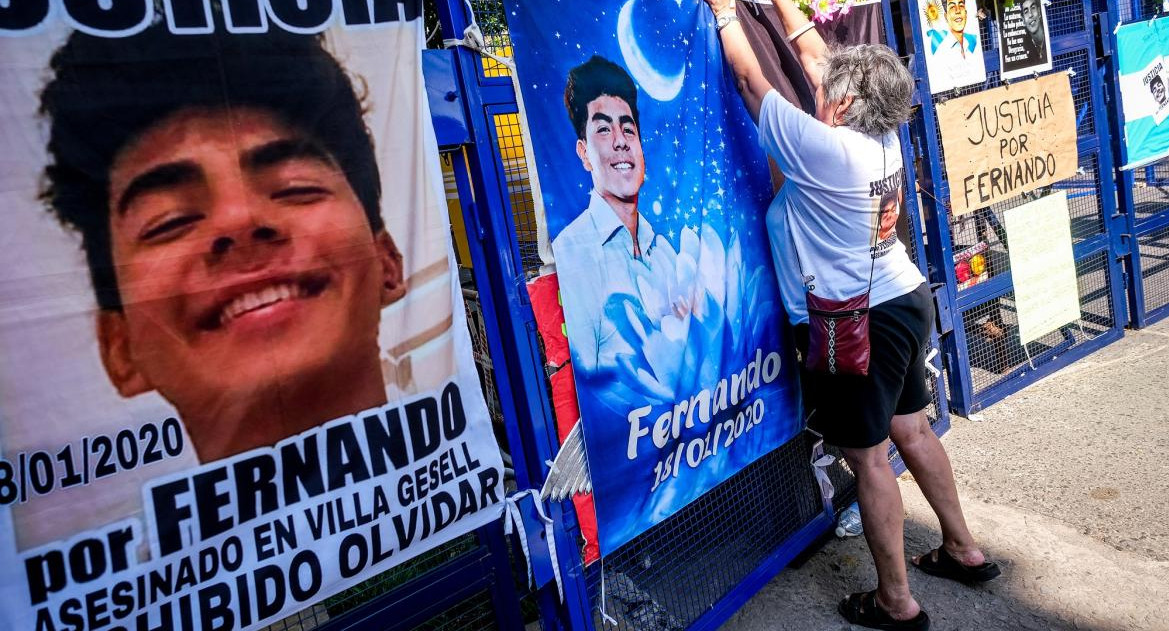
(862, 608)
(939, 563)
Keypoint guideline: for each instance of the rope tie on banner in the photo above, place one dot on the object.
(820, 462)
(513, 520)
(473, 40)
(605, 617)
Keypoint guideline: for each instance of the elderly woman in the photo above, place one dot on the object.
(832, 235)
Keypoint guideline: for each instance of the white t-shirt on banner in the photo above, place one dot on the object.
(837, 181)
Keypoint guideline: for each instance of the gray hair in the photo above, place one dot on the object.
(881, 87)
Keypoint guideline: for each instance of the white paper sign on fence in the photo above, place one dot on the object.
(1043, 266)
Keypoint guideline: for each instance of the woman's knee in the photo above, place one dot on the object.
(909, 430)
(862, 459)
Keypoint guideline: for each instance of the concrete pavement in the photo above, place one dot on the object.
(1065, 483)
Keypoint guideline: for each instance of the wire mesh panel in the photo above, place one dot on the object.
(1150, 191)
(386, 582)
(1153, 248)
(473, 614)
(331, 613)
(1145, 200)
(492, 22)
(509, 142)
(1067, 16)
(1129, 10)
(672, 574)
(1150, 211)
(996, 354)
(986, 358)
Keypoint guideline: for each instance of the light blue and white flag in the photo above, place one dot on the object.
(1143, 61)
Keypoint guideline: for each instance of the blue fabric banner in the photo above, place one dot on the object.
(655, 191)
(1142, 53)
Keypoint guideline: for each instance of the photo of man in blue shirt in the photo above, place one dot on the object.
(601, 99)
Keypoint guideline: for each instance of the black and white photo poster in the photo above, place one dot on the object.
(1024, 38)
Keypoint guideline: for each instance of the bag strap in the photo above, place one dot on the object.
(876, 232)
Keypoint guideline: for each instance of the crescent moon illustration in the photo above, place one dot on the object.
(658, 86)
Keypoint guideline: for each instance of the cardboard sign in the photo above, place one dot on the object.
(1007, 141)
(1043, 267)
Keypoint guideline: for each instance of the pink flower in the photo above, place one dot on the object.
(822, 10)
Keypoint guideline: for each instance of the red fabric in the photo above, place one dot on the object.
(568, 415)
(544, 293)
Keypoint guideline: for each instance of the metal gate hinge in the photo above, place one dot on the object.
(1123, 248)
(1103, 33)
(942, 308)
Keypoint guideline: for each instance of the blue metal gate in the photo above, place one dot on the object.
(691, 571)
(1143, 195)
(984, 357)
(679, 575)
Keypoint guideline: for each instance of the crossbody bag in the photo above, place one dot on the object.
(838, 330)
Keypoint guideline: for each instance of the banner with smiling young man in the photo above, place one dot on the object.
(655, 192)
(235, 374)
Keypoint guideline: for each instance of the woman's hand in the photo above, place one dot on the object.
(718, 7)
(749, 79)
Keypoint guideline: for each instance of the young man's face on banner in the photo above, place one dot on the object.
(956, 15)
(1157, 88)
(245, 264)
(1031, 17)
(611, 149)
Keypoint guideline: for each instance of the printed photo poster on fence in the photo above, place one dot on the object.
(235, 373)
(1043, 266)
(952, 43)
(655, 192)
(1007, 141)
(1142, 53)
(1024, 38)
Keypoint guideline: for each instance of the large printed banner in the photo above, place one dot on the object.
(655, 192)
(1004, 142)
(235, 375)
(1142, 53)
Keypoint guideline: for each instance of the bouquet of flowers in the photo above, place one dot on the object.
(825, 10)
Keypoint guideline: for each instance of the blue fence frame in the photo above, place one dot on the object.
(1069, 48)
(499, 269)
(1146, 218)
(503, 294)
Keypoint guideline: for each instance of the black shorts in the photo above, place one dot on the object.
(854, 411)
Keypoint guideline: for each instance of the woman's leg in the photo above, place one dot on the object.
(880, 503)
(927, 461)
